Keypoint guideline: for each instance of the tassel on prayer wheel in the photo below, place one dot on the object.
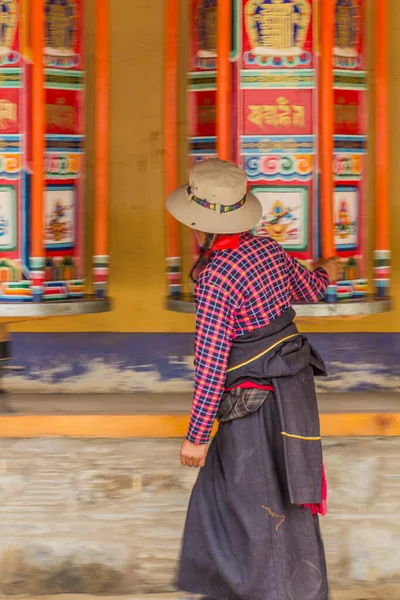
(281, 88)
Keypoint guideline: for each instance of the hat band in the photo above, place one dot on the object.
(221, 208)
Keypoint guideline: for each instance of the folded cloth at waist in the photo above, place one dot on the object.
(279, 357)
(276, 350)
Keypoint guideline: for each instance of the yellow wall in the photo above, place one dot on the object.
(137, 217)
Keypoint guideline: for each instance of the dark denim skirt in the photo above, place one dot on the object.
(243, 539)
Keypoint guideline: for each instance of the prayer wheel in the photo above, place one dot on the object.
(42, 163)
(281, 87)
(42, 132)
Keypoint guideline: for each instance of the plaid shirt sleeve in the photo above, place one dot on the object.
(306, 286)
(214, 332)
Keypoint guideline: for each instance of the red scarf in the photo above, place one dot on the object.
(222, 242)
(225, 242)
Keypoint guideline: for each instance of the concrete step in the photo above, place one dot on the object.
(358, 592)
(173, 404)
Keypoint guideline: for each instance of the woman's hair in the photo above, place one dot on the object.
(203, 259)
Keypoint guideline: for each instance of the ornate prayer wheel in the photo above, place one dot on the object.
(281, 88)
(42, 158)
(42, 155)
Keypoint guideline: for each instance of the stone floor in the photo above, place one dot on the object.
(111, 475)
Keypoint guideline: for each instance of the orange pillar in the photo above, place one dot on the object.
(37, 252)
(25, 23)
(382, 256)
(326, 126)
(224, 18)
(102, 118)
(173, 259)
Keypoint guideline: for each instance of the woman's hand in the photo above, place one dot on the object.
(334, 268)
(193, 455)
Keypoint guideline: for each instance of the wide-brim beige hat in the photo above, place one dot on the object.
(216, 199)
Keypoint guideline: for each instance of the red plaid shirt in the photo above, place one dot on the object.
(240, 290)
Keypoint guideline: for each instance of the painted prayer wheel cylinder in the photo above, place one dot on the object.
(293, 104)
(42, 156)
(275, 97)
